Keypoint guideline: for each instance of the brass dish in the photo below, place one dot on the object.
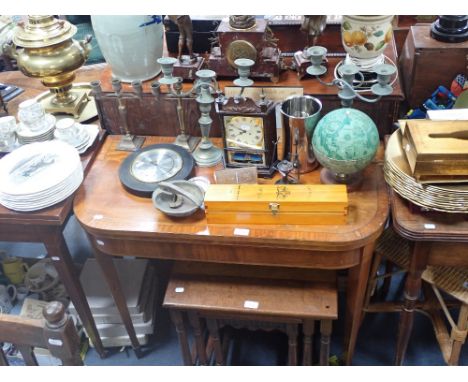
(451, 198)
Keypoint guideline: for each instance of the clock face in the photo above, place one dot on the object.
(244, 132)
(240, 49)
(144, 169)
(156, 165)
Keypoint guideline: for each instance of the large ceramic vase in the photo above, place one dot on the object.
(130, 44)
(365, 38)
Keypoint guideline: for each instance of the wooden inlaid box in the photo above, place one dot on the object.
(437, 150)
(276, 204)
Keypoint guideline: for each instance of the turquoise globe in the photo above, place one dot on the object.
(345, 141)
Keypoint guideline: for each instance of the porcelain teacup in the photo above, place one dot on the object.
(7, 130)
(68, 130)
(32, 114)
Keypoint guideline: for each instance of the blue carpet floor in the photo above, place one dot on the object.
(375, 346)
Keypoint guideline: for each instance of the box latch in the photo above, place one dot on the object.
(274, 208)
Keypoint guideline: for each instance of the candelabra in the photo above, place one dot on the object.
(175, 83)
(205, 154)
(348, 73)
(129, 142)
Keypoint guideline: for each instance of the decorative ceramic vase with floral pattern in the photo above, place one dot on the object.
(365, 37)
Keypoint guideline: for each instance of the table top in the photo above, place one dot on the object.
(106, 209)
(57, 214)
(427, 226)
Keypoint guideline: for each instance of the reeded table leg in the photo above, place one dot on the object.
(291, 330)
(194, 320)
(178, 321)
(308, 327)
(412, 288)
(213, 328)
(325, 335)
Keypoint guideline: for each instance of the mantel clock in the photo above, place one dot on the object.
(249, 134)
(255, 42)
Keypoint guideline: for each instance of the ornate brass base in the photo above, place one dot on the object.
(130, 143)
(83, 108)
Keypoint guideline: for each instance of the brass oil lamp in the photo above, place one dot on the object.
(43, 48)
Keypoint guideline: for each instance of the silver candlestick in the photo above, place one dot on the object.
(129, 142)
(206, 154)
(175, 86)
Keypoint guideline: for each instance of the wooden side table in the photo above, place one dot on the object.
(438, 239)
(121, 224)
(46, 226)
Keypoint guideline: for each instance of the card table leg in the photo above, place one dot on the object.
(109, 272)
(358, 277)
(418, 263)
(58, 251)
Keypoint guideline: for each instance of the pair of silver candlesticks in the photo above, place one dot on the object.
(205, 153)
(203, 150)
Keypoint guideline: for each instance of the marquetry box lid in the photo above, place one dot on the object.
(437, 148)
(276, 204)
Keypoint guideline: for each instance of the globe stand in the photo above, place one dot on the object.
(353, 181)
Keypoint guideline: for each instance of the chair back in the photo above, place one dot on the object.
(57, 333)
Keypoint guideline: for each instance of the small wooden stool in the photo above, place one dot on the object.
(252, 297)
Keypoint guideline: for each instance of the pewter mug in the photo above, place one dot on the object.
(301, 114)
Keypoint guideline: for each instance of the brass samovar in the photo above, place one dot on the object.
(43, 48)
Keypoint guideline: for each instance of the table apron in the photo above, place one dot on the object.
(29, 233)
(234, 254)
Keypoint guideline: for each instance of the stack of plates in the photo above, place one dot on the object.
(39, 175)
(441, 197)
(85, 138)
(46, 133)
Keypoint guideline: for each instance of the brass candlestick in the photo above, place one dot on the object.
(50, 54)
